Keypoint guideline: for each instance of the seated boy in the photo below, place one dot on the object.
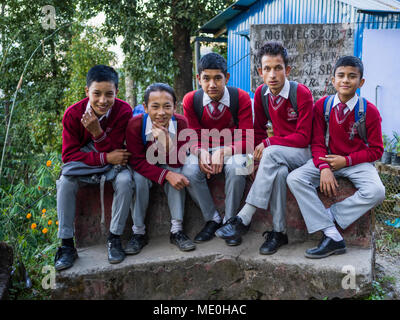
(341, 146)
(93, 140)
(153, 140)
(288, 105)
(214, 112)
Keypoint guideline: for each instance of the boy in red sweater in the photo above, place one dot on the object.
(216, 112)
(340, 149)
(156, 142)
(93, 141)
(289, 109)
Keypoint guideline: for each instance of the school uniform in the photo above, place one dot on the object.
(217, 116)
(151, 165)
(359, 169)
(75, 138)
(287, 150)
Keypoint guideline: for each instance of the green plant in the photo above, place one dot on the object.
(388, 144)
(28, 217)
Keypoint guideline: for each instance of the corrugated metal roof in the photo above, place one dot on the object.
(219, 21)
(368, 6)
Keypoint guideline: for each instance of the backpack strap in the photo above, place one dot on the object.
(144, 121)
(292, 98)
(264, 100)
(328, 104)
(198, 103)
(360, 111)
(233, 103)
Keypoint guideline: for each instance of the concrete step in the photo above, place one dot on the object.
(217, 271)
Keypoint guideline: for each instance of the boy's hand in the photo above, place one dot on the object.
(328, 183)
(335, 162)
(161, 134)
(217, 159)
(177, 180)
(205, 162)
(91, 123)
(118, 156)
(258, 151)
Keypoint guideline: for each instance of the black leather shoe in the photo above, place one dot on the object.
(182, 241)
(234, 242)
(232, 229)
(136, 244)
(65, 257)
(208, 231)
(115, 252)
(273, 241)
(326, 247)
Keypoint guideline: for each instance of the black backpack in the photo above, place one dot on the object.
(292, 97)
(233, 101)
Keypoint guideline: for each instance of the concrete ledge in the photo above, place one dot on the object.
(214, 271)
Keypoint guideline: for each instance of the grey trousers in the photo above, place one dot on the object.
(269, 186)
(304, 181)
(176, 198)
(234, 185)
(67, 187)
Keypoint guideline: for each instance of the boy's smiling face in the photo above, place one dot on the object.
(346, 81)
(101, 96)
(160, 107)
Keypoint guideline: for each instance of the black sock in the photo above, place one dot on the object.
(112, 236)
(68, 242)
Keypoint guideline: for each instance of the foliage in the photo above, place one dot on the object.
(28, 218)
(148, 27)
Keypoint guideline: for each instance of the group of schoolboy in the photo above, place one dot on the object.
(311, 146)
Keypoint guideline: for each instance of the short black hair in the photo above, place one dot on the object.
(273, 48)
(212, 60)
(350, 61)
(158, 86)
(100, 73)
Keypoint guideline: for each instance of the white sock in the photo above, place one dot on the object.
(330, 214)
(139, 230)
(333, 233)
(176, 225)
(216, 217)
(247, 213)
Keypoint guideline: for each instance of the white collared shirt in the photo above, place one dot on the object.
(284, 92)
(224, 101)
(349, 104)
(149, 126)
(103, 116)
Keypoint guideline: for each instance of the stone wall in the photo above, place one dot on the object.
(88, 229)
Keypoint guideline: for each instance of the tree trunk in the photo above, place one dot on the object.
(129, 91)
(183, 55)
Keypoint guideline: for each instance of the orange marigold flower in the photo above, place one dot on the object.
(48, 163)
(29, 215)
(45, 230)
(56, 222)
(33, 226)
(50, 222)
(44, 211)
(38, 188)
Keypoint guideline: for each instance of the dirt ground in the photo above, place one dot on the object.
(388, 275)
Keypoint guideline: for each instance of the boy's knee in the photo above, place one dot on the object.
(192, 172)
(293, 179)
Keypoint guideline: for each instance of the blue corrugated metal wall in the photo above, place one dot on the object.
(294, 12)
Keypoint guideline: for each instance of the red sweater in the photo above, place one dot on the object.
(355, 151)
(225, 121)
(290, 130)
(75, 136)
(135, 145)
